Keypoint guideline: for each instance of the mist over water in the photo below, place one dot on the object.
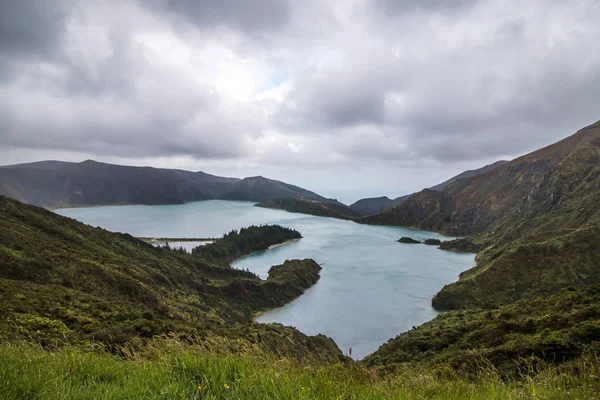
(371, 288)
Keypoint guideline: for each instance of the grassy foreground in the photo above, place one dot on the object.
(173, 372)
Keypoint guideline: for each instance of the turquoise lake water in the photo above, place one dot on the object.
(371, 288)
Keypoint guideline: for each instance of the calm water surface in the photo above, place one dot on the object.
(371, 287)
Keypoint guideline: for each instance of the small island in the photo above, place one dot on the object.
(408, 240)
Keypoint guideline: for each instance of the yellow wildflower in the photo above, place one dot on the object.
(199, 387)
(226, 386)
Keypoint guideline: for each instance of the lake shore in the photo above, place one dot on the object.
(273, 246)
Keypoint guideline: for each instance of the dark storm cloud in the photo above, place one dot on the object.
(250, 16)
(32, 27)
(30, 31)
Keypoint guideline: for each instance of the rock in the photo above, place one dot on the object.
(432, 242)
(408, 240)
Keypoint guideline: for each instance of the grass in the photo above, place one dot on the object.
(28, 372)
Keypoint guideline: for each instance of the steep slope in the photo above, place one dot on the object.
(65, 282)
(376, 205)
(33, 186)
(311, 207)
(516, 191)
(468, 174)
(532, 297)
(536, 217)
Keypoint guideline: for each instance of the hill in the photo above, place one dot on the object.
(63, 282)
(533, 294)
(60, 184)
(376, 205)
(536, 219)
(312, 207)
(258, 188)
(527, 334)
(468, 174)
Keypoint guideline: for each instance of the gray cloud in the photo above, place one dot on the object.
(30, 27)
(112, 101)
(251, 16)
(327, 83)
(30, 31)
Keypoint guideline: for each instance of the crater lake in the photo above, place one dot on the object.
(371, 288)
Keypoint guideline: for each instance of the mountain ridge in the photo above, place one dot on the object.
(375, 205)
(54, 184)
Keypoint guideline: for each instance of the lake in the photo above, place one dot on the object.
(371, 288)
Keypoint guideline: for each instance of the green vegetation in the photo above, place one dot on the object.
(236, 244)
(63, 282)
(532, 298)
(172, 371)
(87, 313)
(332, 209)
(514, 339)
(462, 245)
(534, 222)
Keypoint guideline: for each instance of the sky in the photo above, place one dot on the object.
(348, 98)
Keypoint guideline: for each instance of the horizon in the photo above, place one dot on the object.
(347, 99)
(343, 196)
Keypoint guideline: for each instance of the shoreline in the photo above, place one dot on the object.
(274, 246)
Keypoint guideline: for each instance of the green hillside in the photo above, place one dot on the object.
(63, 282)
(534, 291)
(536, 219)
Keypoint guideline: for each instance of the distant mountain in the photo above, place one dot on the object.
(312, 207)
(258, 188)
(49, 165)
(57, 183)
(375, 205)
(536, 217)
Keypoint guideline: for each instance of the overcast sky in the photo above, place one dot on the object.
(349, 98)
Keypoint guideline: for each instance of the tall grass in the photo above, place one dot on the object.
(28, 372)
